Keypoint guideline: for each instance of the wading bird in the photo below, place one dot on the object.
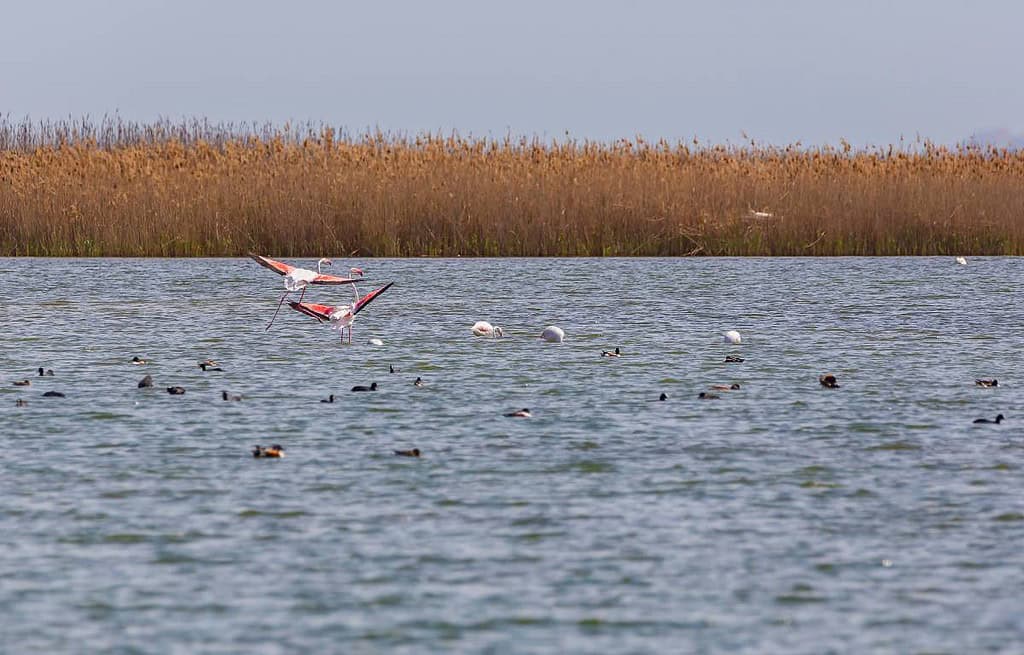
(340, 317)
(553, 334)
(485, 329)
(297, 279)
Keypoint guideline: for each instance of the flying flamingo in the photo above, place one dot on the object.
(339, 316)
(297, 279)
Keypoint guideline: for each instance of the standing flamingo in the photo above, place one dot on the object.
(297, 279)
(339, 316)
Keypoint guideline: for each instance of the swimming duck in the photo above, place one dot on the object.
(733, 359)
(828, 380)
(725, 387)
(208, 362)
(663, 396)
(998, 419)
(419, 382)
(20, 403)
(392, 369)
(415, 452)
(708, 396)
(138, 361)
(48, 371)
(53, 394)
(270, 451)
(232, 397)
(980, 383)
(522, 413)
(146, 382)
(23, 383)
(209, 367)
(611, 353)
(328, 399)
(360, 387)
(176, 391)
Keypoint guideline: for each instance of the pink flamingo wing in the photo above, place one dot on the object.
(368, 298)
(319, 312)
(332, 279)
(278, 267)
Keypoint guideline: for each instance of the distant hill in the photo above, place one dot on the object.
(998, 137)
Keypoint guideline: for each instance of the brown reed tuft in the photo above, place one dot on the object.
(196, 189)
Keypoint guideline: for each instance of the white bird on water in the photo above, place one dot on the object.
(553, 334)
(962, 261)
(732, 336)
(485, 329)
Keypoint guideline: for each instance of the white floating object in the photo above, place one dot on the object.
(376, 342)
(961, 261)
(553, 334)
(732, 336)
(485, 329)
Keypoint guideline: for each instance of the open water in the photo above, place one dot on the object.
(782, 517)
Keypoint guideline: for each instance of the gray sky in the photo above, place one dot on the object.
(869, 71)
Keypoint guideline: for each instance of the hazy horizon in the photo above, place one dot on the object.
(801, 72)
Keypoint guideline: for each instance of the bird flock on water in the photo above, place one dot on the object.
(341, 318)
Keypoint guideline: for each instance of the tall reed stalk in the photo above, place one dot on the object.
(115, 187)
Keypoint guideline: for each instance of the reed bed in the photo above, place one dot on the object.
(113, 187)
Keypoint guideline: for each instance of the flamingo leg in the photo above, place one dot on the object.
(278, 310)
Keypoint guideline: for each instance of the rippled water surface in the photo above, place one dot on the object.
(783, 517)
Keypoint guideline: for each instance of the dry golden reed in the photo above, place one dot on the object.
(195, 189)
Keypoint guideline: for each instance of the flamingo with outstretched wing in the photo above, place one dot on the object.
(339, 316)
(297, 279)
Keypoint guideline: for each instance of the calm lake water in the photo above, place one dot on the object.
(783, 517)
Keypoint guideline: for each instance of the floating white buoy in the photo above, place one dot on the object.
(553, 334)
(485, 329)
(961, 261)
(732, 336)
(376, 342)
